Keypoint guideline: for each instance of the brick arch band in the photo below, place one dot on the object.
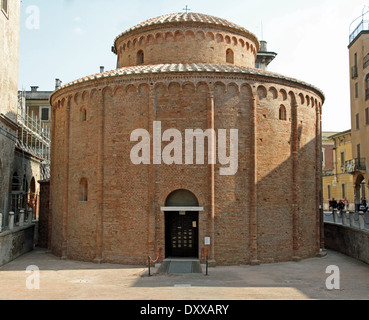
(262, 92)
(211, 46)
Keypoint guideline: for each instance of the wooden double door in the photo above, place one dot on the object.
(181, 234)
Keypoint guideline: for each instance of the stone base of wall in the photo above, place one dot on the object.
(351, 242)
(44, 215)
(15, 243)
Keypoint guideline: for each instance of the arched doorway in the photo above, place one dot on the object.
(181, 225)
(360, 191)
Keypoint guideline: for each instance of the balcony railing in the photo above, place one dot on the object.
(362, 26)
(354, 165)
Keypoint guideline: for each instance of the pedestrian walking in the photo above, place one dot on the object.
(333, 205)
(341, 206)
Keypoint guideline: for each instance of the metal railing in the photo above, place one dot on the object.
(355, 165)
(362, 26)
(16, 209)
(356, 220)
(33, 135)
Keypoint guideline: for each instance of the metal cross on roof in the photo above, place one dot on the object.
(186, 9)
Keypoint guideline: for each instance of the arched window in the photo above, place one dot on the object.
(230, 56)
(140, 57)
(83, 190)
(182, 198)
(282, 113)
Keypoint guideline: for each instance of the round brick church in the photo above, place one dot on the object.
(123, 187)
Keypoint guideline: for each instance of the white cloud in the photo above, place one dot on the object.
(78, 31)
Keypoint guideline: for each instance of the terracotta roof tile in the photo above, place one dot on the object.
(186, 17)
(180, 68)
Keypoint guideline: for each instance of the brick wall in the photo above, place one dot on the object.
(205, 45)
(121, 222)
(267, 212)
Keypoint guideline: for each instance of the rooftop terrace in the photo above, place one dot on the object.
(359, 25)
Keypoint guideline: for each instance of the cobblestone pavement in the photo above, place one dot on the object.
(71, 280)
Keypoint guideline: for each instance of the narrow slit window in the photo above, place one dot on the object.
(140, 57)
(83, 190)
(343, 191)
(83, 115)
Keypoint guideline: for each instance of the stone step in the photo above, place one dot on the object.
(180, 267)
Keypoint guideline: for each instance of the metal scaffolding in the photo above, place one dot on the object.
(33, 136)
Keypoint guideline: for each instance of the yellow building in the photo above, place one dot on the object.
(359, 87)
(338, 182)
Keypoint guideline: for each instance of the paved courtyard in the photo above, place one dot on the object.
(71, 280)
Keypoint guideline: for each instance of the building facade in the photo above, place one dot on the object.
(327, 152)
(24, 141)
(359, 89)
(34, 119)
(9, 56)
(338, 180)
(186, 71)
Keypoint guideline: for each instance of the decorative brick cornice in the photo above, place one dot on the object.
(172, 69)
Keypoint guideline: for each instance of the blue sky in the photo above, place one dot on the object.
(75, 37)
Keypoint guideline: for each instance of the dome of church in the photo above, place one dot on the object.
(186, 38)
(187, 18)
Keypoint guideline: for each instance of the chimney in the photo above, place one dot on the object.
(34, 89)
(263, 46)
(264, 57)
(58, 83)
(102, 69)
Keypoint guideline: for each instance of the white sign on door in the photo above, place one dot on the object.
(207, 241)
